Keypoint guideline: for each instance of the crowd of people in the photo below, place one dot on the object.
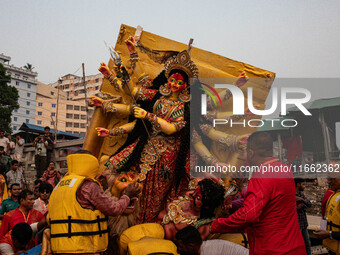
(22, 208)
(272, 209)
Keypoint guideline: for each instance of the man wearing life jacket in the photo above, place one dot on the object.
(331, 236)
(78, 208)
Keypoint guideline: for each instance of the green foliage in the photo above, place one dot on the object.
(29, 67)
(9, 96)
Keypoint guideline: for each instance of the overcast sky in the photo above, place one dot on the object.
(291, 38)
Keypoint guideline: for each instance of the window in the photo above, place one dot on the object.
(97, 87)
(76, 125)
(28, 94)
(52, 123)
(14, 127)
(17, 83)
(28, 103)
(40, 104)
(53, 105)
(40, 113)
(27, 112)
(83, 117)
(15, 118)
(15, 110)
(66, 86)
(83, 108)
(69, 107)
(28, 86)
(82, 125)
(82, 133)
(39, 122)
(53, 114)
(68, 124)
(27, 121)
(76, 107)
(69, 115)
(76, 116)
(97, 80)
(52, 93)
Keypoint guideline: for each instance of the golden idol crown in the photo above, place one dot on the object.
(182, 62)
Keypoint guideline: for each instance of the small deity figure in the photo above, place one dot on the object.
(197, 209)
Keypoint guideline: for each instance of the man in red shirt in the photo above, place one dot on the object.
(268, 214)
(24, 213)
(16, 240)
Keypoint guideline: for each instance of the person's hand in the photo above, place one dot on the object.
(139, 113)
(95, 101)
(132, 190)
(131, 44)
(297, 198)
(242, 79)
(20, 252)
(300, 206)
(322, 234)
(104, 69)
(243, 139)
(102, 132)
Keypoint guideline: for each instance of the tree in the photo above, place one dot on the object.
(9, 96)
(29, 67)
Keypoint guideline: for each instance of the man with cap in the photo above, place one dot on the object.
(268, 214)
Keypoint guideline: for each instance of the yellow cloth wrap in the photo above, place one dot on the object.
(333, 216)
(151, 246)
(237, 238)
(138, 232)
(83, 165)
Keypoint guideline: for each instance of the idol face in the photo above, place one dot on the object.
(176, 83)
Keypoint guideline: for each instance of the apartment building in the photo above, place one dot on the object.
(25, 81)
(63, 114)
(74, 87)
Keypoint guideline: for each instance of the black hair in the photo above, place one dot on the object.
(261, 143)
(45, 187)
(189, 235)
(14, 184)
(47, 128)
(14, 162)
(38, 181)
(2, 147)
(3, 170)
(22, 232)
(212, 197)
(297, 181)
(23, 194)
